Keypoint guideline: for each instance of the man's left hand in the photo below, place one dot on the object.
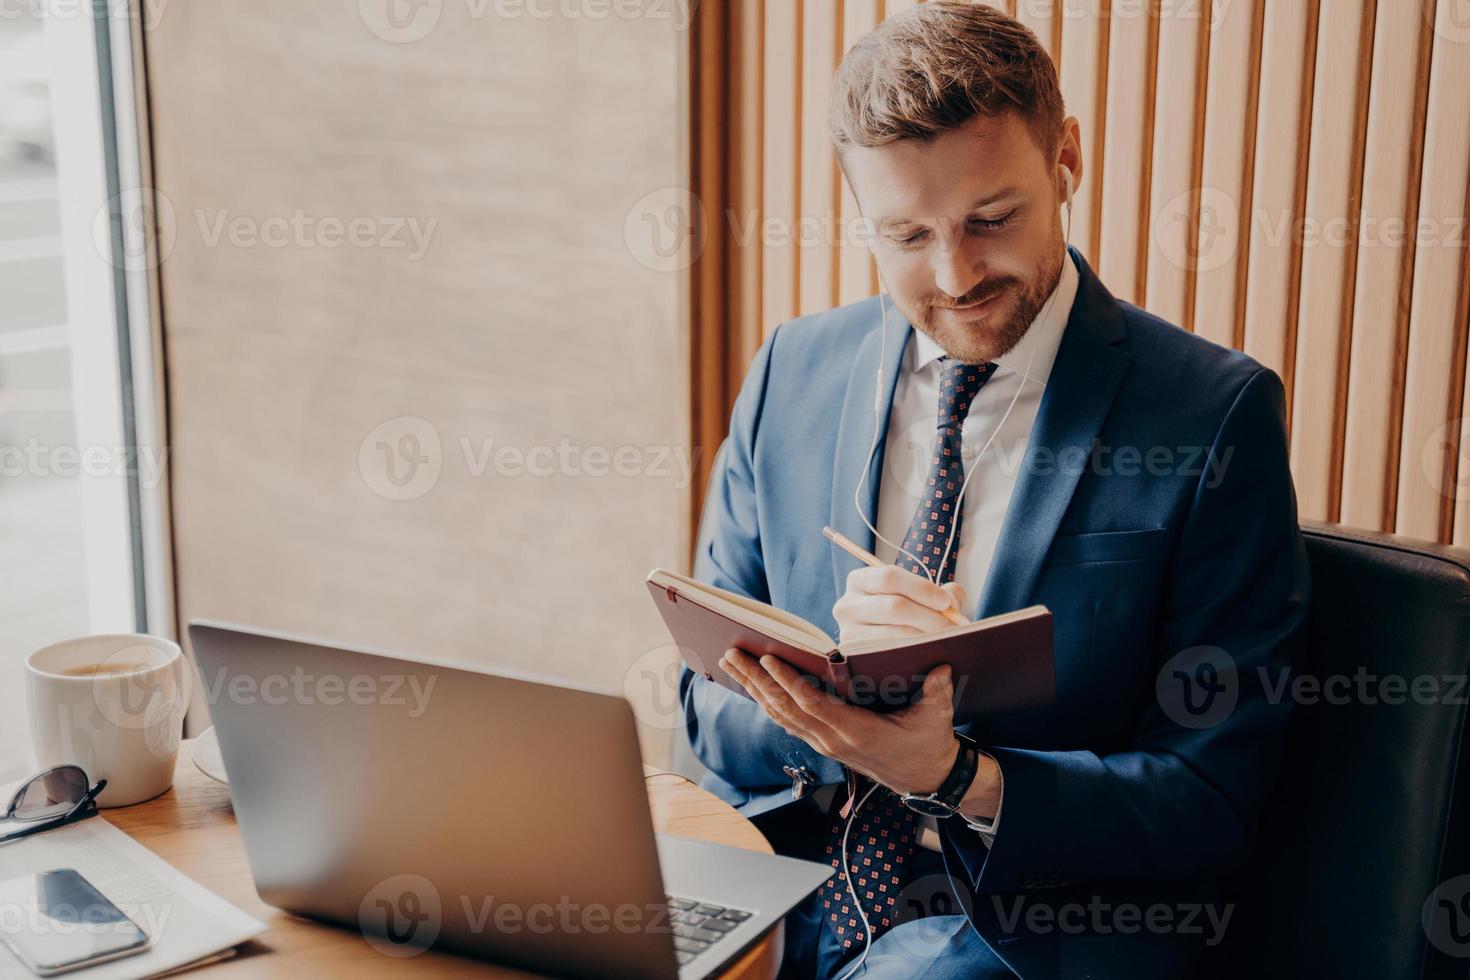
(909, 751)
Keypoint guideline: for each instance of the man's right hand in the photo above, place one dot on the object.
(889, 601)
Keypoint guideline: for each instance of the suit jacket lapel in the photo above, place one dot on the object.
(855, 437)
(1084, 379)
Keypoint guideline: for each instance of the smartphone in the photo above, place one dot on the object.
(56, 922)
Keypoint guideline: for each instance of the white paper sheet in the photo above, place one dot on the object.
(186, 921)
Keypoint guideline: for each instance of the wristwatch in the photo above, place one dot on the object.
(945, 801)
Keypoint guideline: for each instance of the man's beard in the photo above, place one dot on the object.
(1004, 325)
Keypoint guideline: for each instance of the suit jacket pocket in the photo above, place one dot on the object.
(1104, 546)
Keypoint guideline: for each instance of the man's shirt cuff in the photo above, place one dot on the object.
(987, 828)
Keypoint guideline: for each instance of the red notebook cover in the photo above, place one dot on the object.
(1001, 664)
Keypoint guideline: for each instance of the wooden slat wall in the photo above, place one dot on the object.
(1278, 192)
(1133, 46)
(1288, 177)
(1329, 249)
(1436, 356)
(1218, 252)
(1084, 74)
(1174, 192)
(821, 40)
(1385, 265)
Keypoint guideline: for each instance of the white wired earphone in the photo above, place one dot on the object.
(954, 525)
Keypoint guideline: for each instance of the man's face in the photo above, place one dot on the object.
(968, 229)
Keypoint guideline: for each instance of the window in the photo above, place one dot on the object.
(80, 519)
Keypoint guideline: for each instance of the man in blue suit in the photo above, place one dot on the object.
(1086, 456)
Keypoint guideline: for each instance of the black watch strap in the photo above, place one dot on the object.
(966, 764)
(947, 798)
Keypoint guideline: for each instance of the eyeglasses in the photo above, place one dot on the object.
(49, 799)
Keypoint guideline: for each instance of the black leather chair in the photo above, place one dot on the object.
(1372, 813)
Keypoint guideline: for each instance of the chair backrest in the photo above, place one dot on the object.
(1370, 823)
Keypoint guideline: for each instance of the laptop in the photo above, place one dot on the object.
(498, 816)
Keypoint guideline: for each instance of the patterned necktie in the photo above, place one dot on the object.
(937, 519)
(885, 833)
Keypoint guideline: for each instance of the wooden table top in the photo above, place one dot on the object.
(192, 827)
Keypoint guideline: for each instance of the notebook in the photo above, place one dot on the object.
(1001, 663)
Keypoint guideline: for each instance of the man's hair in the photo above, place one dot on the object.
(935, 67)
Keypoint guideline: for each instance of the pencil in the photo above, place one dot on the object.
(868, 558)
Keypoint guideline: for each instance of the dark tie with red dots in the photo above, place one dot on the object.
(885, 832)
(937, 519)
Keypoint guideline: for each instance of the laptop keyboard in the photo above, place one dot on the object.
(699, 925)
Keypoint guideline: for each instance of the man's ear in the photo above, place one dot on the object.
(1069, 153)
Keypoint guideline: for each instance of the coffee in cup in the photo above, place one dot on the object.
(113, 705)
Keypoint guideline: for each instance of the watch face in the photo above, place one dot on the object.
(928, 806)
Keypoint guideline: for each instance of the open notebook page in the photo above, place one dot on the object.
(768, 619)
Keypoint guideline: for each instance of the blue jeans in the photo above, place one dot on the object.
(936, 947)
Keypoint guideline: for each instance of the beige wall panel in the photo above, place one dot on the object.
(1460, 487)
(821, 207)
(1391, 171)
(1085, 89)
(1127, 150)
(1178, 119)
(1218, 253)
(1288, 46)
(781, 172)
(746, 89)
(1329, 254)
(538, 312)
(1045, 18)
(1437, 323)
(857, 273)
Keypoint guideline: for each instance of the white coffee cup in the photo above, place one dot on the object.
(114, 705)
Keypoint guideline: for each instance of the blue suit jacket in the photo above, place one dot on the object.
(1177, 580)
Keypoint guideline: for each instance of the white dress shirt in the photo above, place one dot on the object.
(994, 441)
